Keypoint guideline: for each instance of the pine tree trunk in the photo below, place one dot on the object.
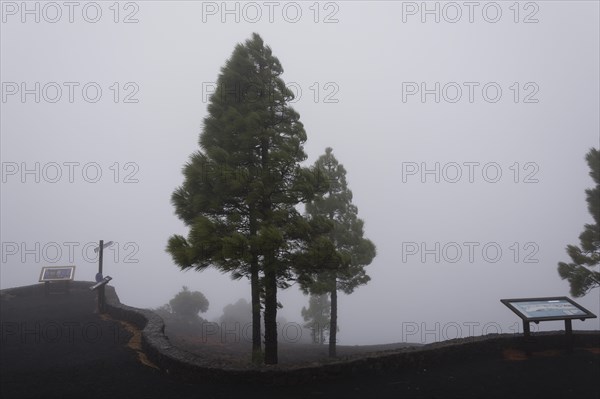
(269, 266)
(321, 334)
(333, 323)
(270, 315)
(255, 294)
(255, 288)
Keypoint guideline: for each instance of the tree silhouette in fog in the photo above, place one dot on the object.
(585, 258)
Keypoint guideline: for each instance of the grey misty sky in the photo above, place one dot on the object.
(357, 65)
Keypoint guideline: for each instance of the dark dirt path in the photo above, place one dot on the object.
(56, 346)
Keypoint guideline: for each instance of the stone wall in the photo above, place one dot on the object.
(190, 366)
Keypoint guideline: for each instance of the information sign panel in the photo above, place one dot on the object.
(57, 273)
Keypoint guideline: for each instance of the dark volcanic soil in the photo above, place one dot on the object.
(239, 354)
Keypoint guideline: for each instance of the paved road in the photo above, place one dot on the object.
(57, 346)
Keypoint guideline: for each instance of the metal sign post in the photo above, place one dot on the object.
(100, 287)
(101, 249)
(101, 297)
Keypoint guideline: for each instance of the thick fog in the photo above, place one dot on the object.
(463, 127)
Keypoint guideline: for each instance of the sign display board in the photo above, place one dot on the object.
(551, 308)
(57, 273)
(546, 309)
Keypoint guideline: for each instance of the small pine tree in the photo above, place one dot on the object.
(317, 317)
(580, 274)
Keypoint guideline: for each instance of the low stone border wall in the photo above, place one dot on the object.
(192, 367)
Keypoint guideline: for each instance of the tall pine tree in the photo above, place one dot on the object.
(240, 191)
(346, 271)
(580, 274)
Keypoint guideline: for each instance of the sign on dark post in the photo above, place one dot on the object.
(53, 274)
(99, 286)
(546, 309)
